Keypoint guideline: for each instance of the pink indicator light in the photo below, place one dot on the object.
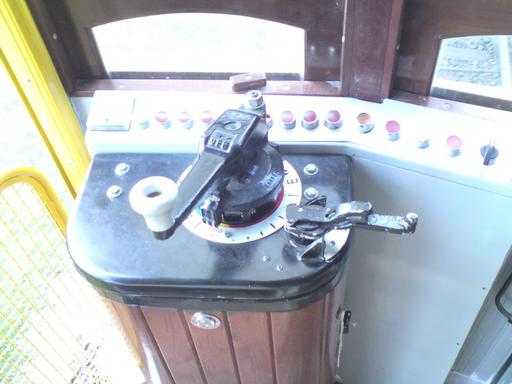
(364, 118)
(287, 117)
(333, 116)
(161, 117)
(206, 117)
(454, 142)
(392, 126)
(309, 117)
(184, 117)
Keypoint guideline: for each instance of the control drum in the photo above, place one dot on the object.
(200, 311)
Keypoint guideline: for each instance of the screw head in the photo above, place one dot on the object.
(114, 191)
(121, 169)
(205, 321)
(310, 193)
(311, 169)
(266, 259)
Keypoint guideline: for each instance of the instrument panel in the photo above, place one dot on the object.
(468, 150)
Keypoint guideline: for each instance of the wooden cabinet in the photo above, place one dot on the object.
(293, 347)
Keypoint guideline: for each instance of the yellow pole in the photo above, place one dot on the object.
(30, 67)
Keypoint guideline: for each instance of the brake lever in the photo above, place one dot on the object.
(316, 225)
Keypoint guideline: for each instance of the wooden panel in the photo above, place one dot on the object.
(53, 43)
(426, 22)
(72, 19)
(297, 340)
(253, 347)
(295, 347)
(155, 368)
(215, 351)
(371, 34)
(175, 342)
(312, 88)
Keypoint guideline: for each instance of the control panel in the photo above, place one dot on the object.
(443, 144)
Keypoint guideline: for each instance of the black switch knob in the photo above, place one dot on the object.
(489, 152)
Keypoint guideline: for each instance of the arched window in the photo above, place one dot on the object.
(200, 45)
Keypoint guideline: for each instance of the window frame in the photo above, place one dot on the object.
(428, 22)
(66, 28)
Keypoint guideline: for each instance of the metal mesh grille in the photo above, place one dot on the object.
(52, 324)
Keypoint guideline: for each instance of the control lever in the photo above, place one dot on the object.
(227, 146)
(234, 147)
(318, 226)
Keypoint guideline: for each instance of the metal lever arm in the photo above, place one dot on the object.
(227, 145)
(313, 221)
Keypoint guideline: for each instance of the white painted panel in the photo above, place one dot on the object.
(414, 298)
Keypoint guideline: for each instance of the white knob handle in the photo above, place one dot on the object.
(153, 198)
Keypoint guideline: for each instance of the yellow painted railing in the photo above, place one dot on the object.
(24, 55)
(53, 327)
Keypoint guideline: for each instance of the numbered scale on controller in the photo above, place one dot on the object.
(270, 221)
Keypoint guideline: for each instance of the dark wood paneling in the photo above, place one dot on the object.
(54, 42)
(72, 19)
(312, 88)
(297, 339)
(215, 351)
(427, 22)
(173, 337)
(371, 34)
(255, 360)
(295, 347)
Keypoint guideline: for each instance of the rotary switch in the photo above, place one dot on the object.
(236, 179)
(489, 153)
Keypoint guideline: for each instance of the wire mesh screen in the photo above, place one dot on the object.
(53, 326)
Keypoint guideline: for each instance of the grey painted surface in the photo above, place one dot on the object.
(415, 298)
(489, 343)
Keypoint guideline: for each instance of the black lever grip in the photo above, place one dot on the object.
(227, 145)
